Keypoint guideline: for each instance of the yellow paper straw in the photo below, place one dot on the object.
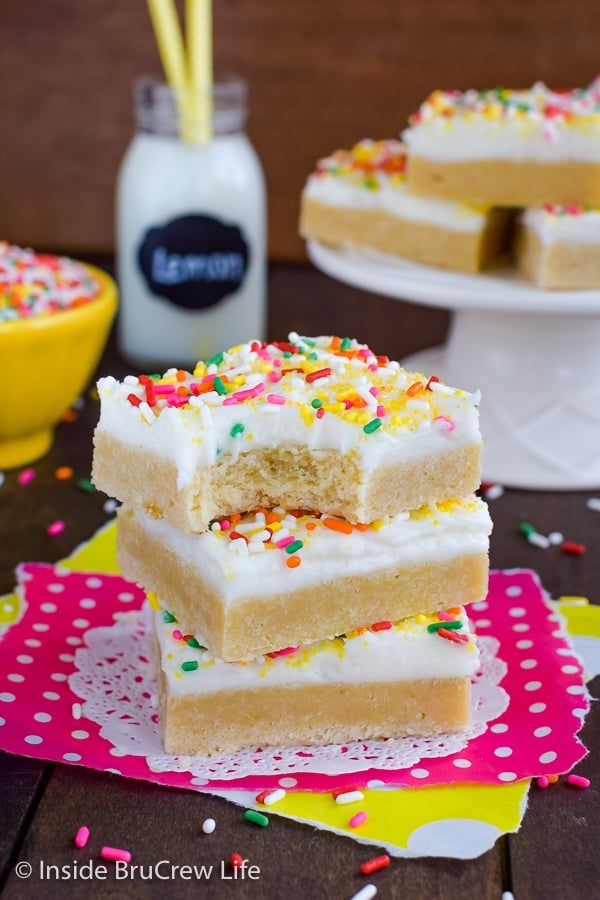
(170, 46)
(198, 26)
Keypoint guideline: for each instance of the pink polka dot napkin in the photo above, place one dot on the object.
(40, 716)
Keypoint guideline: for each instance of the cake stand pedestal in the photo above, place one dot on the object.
(534, 354)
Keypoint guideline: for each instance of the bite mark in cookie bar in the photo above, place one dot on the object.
(558, 247)
(359, 197)
(273, 578)
(310, 423)
(508, 148)
(403, 678)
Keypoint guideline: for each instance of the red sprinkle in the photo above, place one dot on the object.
(433, 378)
(344, 790)
(260, 798)
(235, 534)
(452, 636)
(374, 864)
(135, 401)
(320, 373)
(382, 626)
(572, 549)
(320, 412)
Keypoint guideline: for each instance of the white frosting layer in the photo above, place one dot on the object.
(206, 429)
(435, 533)
(458, 139)
(393, 198)
(405, 652)
(553, 227)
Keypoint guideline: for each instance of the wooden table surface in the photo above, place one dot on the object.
(554, 856)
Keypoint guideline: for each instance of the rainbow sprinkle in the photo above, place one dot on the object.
(36, 284)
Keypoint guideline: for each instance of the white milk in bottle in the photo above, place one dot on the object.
(191, 225)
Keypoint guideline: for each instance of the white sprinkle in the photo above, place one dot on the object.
(508, 895)
(110, 506)
(260, 536)
(243, 527)
(206, 416)
(256, 547)
(145, 411)
(130, 379)
(76, 710)
(281, 534)
(2, 477)
(274, 797)
(216, 526)
(239, 545)
(349, 797)
(208, 826)
(555, 538)
(494, 491)
(365, 893)
(594, 503)
(538, 540)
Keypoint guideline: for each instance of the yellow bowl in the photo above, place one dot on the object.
(46, 362)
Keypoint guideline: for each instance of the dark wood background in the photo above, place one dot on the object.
(321, 75)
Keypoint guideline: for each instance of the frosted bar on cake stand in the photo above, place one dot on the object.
(534, 354)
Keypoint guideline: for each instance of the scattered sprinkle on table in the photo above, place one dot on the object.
(56, 528)
(82, 836)
(63, 473)
(111, 506)
(375, 864)
(208, 826)
(579, 781)
(365, 893)
(257, 818)
(26, 476)
(235, 860)
(115, 854)
(84, 484)
(594, 503)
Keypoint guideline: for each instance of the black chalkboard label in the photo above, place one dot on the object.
(194, 261)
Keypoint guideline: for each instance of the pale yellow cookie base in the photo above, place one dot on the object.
(260, 624)
(208, 724)
(557, 266)
(429, 244)
(497, 182)
(295, 478)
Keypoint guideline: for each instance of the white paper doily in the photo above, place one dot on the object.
(116, 677)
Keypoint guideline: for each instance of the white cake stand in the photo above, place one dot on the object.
(534, 354)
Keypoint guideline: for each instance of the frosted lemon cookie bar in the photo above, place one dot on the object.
(558, 247)
(359, 197)
(391, 679)
(269, 579)
(313, 423)
(507, 147)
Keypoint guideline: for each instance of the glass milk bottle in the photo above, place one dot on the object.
(190, 233)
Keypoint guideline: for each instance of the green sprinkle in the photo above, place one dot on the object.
(286, 354)
(372, 426)
(84, 484)
(526, 529)
(237, 429)
(155, 376)
(453, 626)
(190, 666)
(309, 341)
(346, 344)
(215, 360)
(316, 403)
(192, 642)
(169, 617)
(291, 548)
(219, 386)
(251, 815)
(313, 356)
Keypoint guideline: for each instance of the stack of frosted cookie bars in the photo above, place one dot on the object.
(304, 512)
(481, 174)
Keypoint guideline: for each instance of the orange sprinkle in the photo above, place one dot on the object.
(552, 779)
(271, 517)
(292, 562)
(336, 525)
(454, 611)
(181, 375)
(336, 343)
(182, 391)
(235, 518)
(414, 388)
(360, 526)
(69, 415)
(310, 526)
(358, 402)
(63, 473)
